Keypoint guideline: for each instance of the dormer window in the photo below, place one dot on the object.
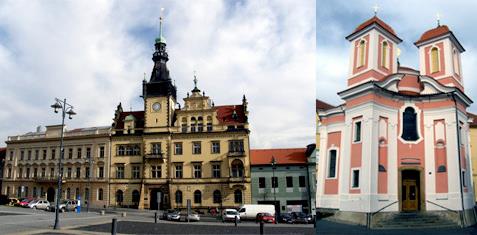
(435, 60)
(409, 125)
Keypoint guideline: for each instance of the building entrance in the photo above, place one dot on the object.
(410, 191)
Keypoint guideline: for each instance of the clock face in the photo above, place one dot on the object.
(156, 106)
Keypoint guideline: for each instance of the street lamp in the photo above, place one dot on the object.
(65, 109)
(274, 183)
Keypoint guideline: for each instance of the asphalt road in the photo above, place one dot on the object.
(135, 227)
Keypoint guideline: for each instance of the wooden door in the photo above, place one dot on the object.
(410, 195)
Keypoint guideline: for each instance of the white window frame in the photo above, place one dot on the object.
(352, 178)
(328, 155)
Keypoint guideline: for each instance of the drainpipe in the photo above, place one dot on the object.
(462, 215)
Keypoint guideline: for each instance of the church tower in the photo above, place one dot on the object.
(439, 56)
(373, 52)
(159, 93)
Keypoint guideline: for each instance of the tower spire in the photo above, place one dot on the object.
(160, 38)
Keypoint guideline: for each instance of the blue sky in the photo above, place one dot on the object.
(337, 19)
(95, 54)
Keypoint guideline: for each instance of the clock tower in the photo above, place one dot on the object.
(159, 93)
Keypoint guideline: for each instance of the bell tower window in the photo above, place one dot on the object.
(384, 54)
(361, 53)
(455, 59)
(435, 60)
(409, 125)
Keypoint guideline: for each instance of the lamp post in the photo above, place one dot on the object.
(274, 183)
(65, 108)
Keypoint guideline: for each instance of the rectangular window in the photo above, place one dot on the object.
(43, 172)
(35, 172)
(275, 182)
(86, 173)
(52, 172)
(301, 181)
(156, 148)
(332, 164)
(9, 173)
(200, 127)
(120, 172)
(68, 174)
(156, 171)
(289, 182)
(261, 182)
(37, 154)
(78, 172)
(236, 146)
(179, 171)
(53, 153)
(44, 154)
(357, 131)
(22, 155)
(20, 173)
(355, 179)
(196, 148)
(215, 146)
(29, 155)
(11, 155)
(101, 172)
(464, 184)
(135, 172)
(88, 153)
(216, 170)
(78, 153)
(184, 128)
(101, 151)
(197, 171)
(178, 148)
(209, 127)
(70, 153)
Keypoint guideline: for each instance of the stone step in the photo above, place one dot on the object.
(413, 220)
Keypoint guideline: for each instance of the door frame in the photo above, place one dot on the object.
(421, 206)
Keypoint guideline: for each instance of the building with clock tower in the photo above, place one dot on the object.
(168, 153)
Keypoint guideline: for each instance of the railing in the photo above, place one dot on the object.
(236, 153)
(443, 207)
(369, 216)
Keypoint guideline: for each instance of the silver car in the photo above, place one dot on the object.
(190, 217)
(39, 204)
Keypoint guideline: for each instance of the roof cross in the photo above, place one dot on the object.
(438, 18)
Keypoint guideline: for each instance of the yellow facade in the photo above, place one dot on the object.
(31, 165)
(473, 149)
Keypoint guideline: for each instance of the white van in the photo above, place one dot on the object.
(250, 211)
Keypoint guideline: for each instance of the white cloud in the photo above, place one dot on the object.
(95, 54)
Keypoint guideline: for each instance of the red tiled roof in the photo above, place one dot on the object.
(225, 114)
(433, 33)
(139, 115)
(321, 105)
(378, 21)
(474, 121)
(282, 156)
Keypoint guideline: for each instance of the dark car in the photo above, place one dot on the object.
(286, 218)
(301, 218)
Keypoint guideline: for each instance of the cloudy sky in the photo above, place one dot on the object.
(409, 18)
(95, 54)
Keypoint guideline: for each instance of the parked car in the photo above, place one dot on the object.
(167, 212)
(173, 216)
(39, 204)
(301, 218)
(250, 211)
(191, 217)
(285, 218)
(65, 205)
(229, 215)
(24, 202)
(265, 217)
(13, 201)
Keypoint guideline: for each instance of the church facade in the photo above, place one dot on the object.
(400, 140)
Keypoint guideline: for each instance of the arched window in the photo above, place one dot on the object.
(184, 125)
(197, 197)
(119, 197)
(86, 194)
(135, 197)
(178, 197)
(68, 193)
(455, 57)
(409, 125)
(384, 54)
(200, 127)
(193, 124)
(209, 123)
(237, 168)
(217, 196)
(361, 53)
(100, 194)
(77, 193)
(238, 196)
(434, 60)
